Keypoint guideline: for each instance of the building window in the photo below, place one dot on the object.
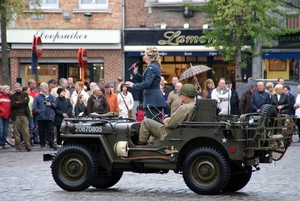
(45, 3)
(94, 4)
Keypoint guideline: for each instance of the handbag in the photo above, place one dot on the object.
(129, 111)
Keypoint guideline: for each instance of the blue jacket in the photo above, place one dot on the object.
(150, 83)
(42, 111)
(258, 99)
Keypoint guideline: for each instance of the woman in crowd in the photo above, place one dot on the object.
(5, 111)
(280, 100)
(209, 85)
(149, 82)
(80, 106)
(125, 101)
(62, 110)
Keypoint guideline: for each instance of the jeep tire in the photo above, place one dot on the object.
(74, 168)
(206, 171)
(102, 181)
(238, 178)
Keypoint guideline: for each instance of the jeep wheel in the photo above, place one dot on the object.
(73, 168)
(206, 171)
(102, 181)
(238, 178)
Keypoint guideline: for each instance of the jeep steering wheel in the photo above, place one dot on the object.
(157, 116)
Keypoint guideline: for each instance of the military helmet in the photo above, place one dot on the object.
(188, 90)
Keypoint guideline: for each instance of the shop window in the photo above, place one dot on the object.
(45, 3)
(45, 72)
(275, 68)
(202, 59)
(98, 71)
(179, 58)
(191, 59)
(169, 59)
(93, 4)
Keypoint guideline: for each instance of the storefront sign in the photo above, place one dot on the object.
(289, 39)
(138, 54)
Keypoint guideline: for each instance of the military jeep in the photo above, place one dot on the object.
(213, 153)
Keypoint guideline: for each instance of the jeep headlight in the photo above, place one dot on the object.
(67, 128)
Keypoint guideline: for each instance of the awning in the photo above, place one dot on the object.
(282, 55)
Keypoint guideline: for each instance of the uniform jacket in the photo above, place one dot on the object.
(17, 103)
(5, 106)
(174, 101)
(244, 105)
(63, 106)
(98, 105)
(42, 111)
(184, 112)
(258, 99)
(283, 100)
(112, 101)
(150, 83)
(123, 112)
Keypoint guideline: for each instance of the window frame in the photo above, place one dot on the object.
(92, 6)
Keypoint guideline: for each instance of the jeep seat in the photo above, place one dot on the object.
(206, 110)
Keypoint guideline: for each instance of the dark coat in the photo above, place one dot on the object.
(284, 100)
(292, 103)
(258, 99)
(150, 83)
(244, 105)
(19, 102)
(79, 107)
(234, 103)
(63, 106)
(102, 105)
(42, 111)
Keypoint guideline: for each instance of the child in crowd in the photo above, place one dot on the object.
(80, 106)
(140, 113)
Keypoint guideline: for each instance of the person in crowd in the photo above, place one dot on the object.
(287, 91)
(52, 84)
(125, 101)
(244, 104)
(20, 116)
(112, 99)
(198, 89)
(140, 114)
(280, 100)
(280, 80)
(62, 110)
(92, 85)
(86, 86)
(30, 103)
(44, 105)
(184, 112)
(33, 93)
(297, 109)
(174, 100)
(259, 97)
(166, 88)
(97, 102)
(117, 85)
(80, 106)
(70, 86)
(166, 109)
(222, 95)
(101, 84)
(269, 88)
(78, 90)
(5, 112)
(174, 81)
(63, 83)
(209, 85)
(33, 89)
(234, 99)
(150, 82)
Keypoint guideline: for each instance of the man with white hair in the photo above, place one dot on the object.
(280, 100)
(259, 97)
(174, 100)
(92, 85)
(63, 83)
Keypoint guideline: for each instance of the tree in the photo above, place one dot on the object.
(9, 10)
(235, 23)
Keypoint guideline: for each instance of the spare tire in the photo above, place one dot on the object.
(270, 112)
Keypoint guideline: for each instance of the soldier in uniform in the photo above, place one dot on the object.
(183, 113)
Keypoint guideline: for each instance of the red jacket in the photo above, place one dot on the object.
(5, 106)
(140, 116)
(34, 93)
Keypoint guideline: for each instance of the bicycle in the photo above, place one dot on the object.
(10, 138)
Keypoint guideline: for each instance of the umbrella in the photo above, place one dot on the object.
(193, 71)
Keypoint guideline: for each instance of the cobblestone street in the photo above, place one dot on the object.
(26, 177)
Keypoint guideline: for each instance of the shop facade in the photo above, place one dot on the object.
(60, 52)
(179, 49)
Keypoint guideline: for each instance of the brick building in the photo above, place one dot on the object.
(64, 28)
